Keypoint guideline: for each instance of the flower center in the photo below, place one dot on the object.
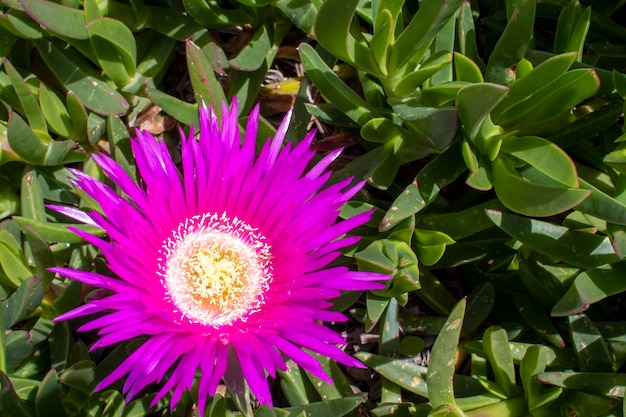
(215, 270)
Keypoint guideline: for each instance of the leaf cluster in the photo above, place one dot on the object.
(491, 136)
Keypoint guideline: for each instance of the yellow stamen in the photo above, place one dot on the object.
(216, 269)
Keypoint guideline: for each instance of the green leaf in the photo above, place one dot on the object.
(42, 255)
(609, 384)
(114, 46)
(94, 93)
(556, 98)
(210, 15)
(170, 22)
(24, 141)
(539, 321)
(436, 129)
(543, 155)
(332, 29)
(591, 286)
(431, 16)
(530, 198)
(339, 407)
(461, 224)
(382, 37)
(302, 14)
(439, 172)
(22, 302)
(376, 306)
(253, 54)
(296, 386)
(406, 374)
(479, 305)
(9, 201)
(441, 367)
(206, 87)
(496, 345)
(410, 83)
(333, 89)
(48, 400)
(382, 130)
(590, 347)
(14, 266)
(466, 69)
(434, 294)
(475, 101)
(588, 126)
(32, 197)
(29, 103)
(59, 19)
(57, 232)
(571, 29)
(533, 363)
(512, 45)
(21, 25)
(580, 249)
(54, 111)
(601, 205)
(10, 401)
(524, 88)
(182, 111)
(78, 116)
(394, 258)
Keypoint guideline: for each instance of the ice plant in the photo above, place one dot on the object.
(223, 265)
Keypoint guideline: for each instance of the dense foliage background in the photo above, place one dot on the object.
(491, 136)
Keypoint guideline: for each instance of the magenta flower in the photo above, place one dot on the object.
(231, 254)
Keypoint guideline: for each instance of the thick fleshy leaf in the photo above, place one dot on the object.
(411, 44)
(22, 302)
(184, 112)
(411, 82)
(206, 87)
(525, 87)
(210, 14)
(543, 155)
(302, 14)
(55, 112)
(575, 248)
(24, 141)
(530, 198)
(27, 99)
(57, 232)
(571, 29)
(590, 347)
(475, 102)
(555, 99)
(408, 375)
(382, 37)
(512, 45)
(441, 171)
(21, 25)
(601, 205)
(332, 29)
(254, 53)
(466, 69)
(591, 286)
(441, 368)
(94, 93)
(539, 321)
(609, 384)
(496, 345)
(338, 407)
(115, 48)
(333, 89)
(59, 19)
